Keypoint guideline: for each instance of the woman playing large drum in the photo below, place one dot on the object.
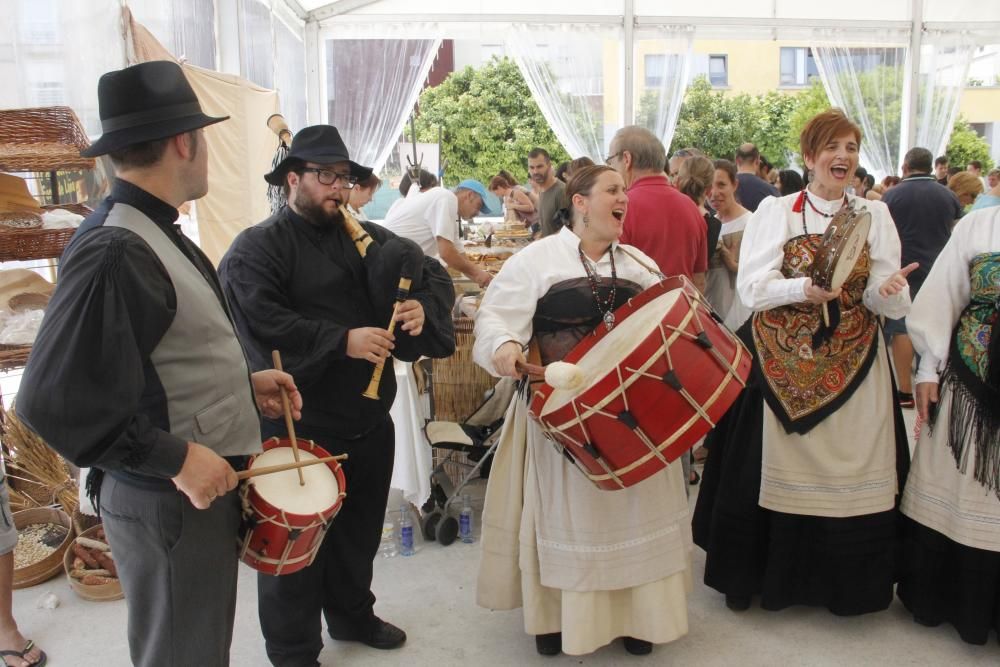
(951, 562)
(799, 499)
(592, 565)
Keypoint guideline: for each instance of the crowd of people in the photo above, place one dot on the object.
(154, 369)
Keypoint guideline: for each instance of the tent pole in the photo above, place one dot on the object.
(913, 103)
(628, 57)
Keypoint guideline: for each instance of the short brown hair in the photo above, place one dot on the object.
(823, 128)
(372, 183)
(728, 167)
(146, 154)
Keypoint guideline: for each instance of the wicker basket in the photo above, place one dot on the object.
(22, 244)
(42, 139)
(96, 593)
(458, 387)
(13, 356)
(49, 566)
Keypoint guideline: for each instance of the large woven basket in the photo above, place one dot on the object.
(23, 244)
(42, 139)
(458, 385)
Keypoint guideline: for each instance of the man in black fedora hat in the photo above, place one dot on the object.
(297, 283)
(137, 372)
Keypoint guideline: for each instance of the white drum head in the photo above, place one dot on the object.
(282, 489)
(614, 347)
(853, 247)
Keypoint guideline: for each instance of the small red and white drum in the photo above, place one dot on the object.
(646, 391)
(284, 521)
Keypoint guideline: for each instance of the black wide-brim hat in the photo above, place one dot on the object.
(320, 144)
(146, 102)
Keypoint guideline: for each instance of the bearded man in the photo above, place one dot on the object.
(297, 283)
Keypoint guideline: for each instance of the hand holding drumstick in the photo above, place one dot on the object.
(267, 386)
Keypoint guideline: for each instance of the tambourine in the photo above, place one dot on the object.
(841, 247)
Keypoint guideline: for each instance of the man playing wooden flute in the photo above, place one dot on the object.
(298, 283)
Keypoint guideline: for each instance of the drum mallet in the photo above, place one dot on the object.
(287, 408)
(267, 470)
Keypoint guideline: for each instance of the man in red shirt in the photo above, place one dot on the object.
(660, 221)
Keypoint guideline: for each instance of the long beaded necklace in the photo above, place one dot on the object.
(606, 309)
(805, 196)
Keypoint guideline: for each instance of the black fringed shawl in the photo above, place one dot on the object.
(973, 376)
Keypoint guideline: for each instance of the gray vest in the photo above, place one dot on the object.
(199, 361)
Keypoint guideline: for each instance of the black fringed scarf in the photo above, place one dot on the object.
(974, 418)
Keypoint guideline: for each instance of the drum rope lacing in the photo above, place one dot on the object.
(606, 310)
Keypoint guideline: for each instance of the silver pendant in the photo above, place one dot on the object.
(609, 320)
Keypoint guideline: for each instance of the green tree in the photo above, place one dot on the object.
(714, 122)
(488, 120)
(806, 104)
(965, 145)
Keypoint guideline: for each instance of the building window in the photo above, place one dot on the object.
(655, 68)
(718, 69)
(797, 66)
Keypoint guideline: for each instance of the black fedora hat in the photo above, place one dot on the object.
(320, 144)
(145, 102)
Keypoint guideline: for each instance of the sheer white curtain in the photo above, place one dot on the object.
(256, 43)
(185, 27)
(55, 52)
(867, 82)
(944, 67)
(662, 68)
(565, 68)
(372, 86)
(290, 73)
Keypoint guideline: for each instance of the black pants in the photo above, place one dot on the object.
(338, 583)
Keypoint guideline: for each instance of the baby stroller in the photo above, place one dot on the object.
(477, 438)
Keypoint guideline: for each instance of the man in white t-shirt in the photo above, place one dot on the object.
(432, 220)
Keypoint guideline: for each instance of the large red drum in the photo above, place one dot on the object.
(649, 388)
(284, 521)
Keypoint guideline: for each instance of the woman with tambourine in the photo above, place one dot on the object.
(800, 492)
(951, 561)
(587, 565)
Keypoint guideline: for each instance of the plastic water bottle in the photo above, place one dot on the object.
(387, 547)
(465, 521)
(405, 533)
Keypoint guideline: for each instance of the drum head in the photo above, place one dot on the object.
(851, 250)
(614, 346)
(282, 489)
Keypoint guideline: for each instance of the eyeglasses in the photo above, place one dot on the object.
(329, 177)
(611, 157)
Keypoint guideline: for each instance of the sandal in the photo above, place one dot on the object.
(42, 658)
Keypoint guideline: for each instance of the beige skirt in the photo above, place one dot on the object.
(594, 565)
(941, 497)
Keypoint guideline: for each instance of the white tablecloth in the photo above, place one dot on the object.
(411, 470)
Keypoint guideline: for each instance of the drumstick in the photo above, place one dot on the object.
(267, 470)
(287, 408)
(826, 315)
(533, 370)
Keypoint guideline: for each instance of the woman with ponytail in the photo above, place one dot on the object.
(951, 553)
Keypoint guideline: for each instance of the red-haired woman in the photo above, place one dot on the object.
(799, 502)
